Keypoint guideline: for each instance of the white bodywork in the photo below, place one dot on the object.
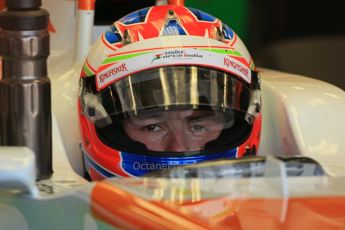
(303, 116)
(12, 159)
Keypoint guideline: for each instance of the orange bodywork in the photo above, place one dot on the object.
(124, 210)
(274, 213)
(131, 211)
(302, 213)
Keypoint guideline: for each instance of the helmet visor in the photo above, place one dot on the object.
(172, 109)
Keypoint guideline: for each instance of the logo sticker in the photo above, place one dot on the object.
(116, 69)
(160, 58)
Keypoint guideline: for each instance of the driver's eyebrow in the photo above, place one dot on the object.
(201, 117)
(144, 120)
(157, 116)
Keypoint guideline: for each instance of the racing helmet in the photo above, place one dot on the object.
(167, 86)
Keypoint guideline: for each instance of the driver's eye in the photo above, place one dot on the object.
(152, 128)
(198, 128)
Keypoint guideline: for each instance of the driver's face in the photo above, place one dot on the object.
(175, 131)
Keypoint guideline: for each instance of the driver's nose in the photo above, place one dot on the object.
(177, 143)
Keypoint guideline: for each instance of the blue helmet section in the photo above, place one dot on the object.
(173, 28)
(139, 165)
(112, 35)
(228, 33)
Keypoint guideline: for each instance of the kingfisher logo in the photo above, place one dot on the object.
(231, 64)
(117, 69)
(177, 54)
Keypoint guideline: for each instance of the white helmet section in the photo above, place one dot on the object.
(97, 54)
(102, 49)
(240, 47)
(172, 50)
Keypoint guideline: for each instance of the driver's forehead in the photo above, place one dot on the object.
(183, 114)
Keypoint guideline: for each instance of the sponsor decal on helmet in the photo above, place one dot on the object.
(116, 69)
(177, 54)
(169, 57)
(234, 65)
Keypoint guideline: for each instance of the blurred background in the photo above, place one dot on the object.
(295, 36)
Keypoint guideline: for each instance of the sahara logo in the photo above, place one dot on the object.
(177, 54)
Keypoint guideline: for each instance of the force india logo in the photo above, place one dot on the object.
(117, 69)
(181, 54)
